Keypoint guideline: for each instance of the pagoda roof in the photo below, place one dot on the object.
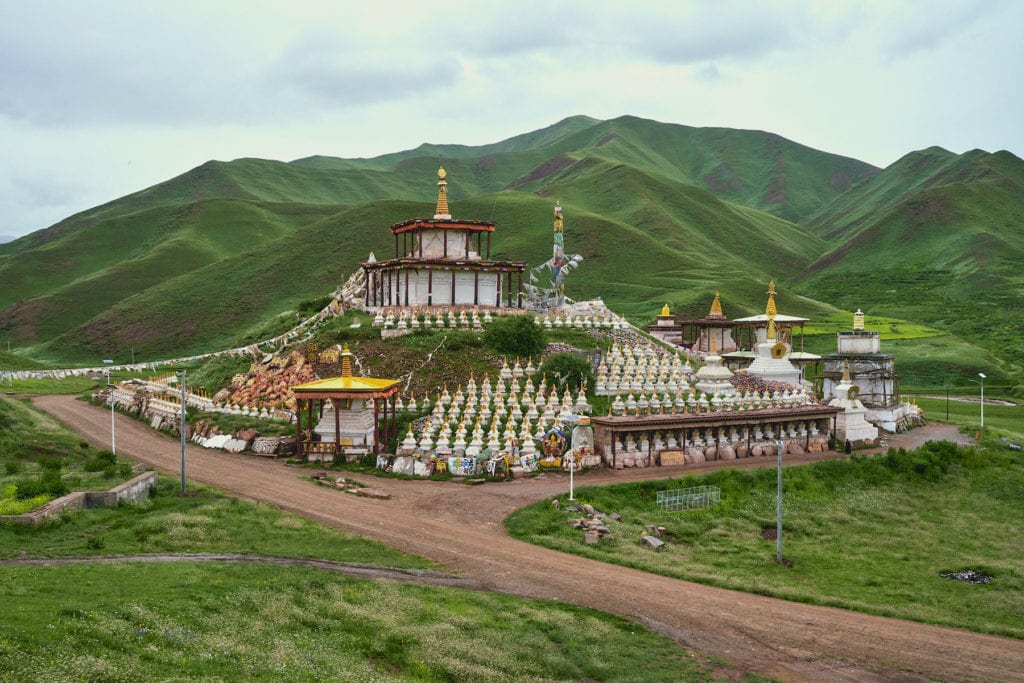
(346, 385)
(779, 318)
(441, 224)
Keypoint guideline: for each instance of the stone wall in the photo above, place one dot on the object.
(131, 491)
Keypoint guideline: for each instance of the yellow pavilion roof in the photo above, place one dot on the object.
(346, 383)
(354, 384)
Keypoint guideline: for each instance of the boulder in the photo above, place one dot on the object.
(265, 445)
(591, 537)
(726, 453)
(710, 453)
(795, 449)
(370, 493)
(247, 435)
(742, 452)
(653, 542)
(694, 456)
(234, 445)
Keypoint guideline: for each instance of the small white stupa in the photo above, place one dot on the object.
(772, 362)
(850, 424)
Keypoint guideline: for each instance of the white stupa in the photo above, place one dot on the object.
(772, 362)
(850, 424)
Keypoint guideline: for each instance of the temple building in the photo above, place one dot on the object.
(344, 415)
(443, 262)
(859, 361)
(698, 335)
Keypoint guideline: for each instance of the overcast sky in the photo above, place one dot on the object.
(99, 99)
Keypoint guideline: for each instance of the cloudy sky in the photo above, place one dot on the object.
(99, 99)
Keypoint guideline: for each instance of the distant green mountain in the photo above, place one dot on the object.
(662, 213)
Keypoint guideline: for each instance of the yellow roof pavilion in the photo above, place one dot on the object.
(346, 383)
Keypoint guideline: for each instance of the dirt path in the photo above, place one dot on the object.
(460, 527)
(353, 569)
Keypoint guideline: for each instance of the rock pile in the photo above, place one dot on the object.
(349, 486)
(592, 523)
(268, 384)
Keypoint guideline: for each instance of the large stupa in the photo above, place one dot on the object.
(772, 362)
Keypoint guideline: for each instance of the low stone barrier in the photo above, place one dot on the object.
(133, 490)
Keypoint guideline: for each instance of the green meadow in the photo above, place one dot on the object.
(869, 533)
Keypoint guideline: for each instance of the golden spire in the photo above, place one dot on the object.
(846, 371)
(665, 311)
(770, 310)
(442, 194)
(346, 361)
(558, 217)
(716, 305)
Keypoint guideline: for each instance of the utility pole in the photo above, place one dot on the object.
(778, 505)
(113, 441)
(181, 376)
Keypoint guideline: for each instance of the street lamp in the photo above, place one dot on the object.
(982, 385)
(113, 440)
(181, 378)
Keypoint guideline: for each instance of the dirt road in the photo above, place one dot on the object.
(460, 527)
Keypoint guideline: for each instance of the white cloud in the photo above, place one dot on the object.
(103, 98)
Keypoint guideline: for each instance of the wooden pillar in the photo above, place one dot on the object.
(430, 286)
(469, 237)
(614, 454)
(394, 416)
(454, 274)
(419, 240)
(407, 287)
(508, 290)
(479, 243)
(368, 281)
(718, 442)
(476, 287)
(376, 428)
(337, 427)
(520, 289)
(298, 427)
(445, 243)
(807, 441)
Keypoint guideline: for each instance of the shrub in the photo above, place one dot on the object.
(566, 370)
(100, 462)
(516, 335)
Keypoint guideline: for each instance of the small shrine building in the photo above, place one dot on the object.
(350, 415)
(442, 261)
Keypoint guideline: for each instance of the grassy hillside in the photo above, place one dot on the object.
(936, 238)
(661, 213)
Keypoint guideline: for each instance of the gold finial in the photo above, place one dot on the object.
(858, 320)
(665, 311)
(846, 371)
(771, 329)
(442, 194)
(770, 309)
(558, 217)
(346, 361)
(716, 308)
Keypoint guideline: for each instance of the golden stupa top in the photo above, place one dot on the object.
(858, 320)
(846, 371)
(346, 383)
(770, 309)
(558, 217)
(716, 308)
(442, 194)
(664, 311)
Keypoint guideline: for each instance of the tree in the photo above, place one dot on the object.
(566, 370)
(516, 335)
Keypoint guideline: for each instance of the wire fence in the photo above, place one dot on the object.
(692, 498)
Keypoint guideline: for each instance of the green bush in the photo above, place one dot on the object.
(566, 370)
(100, 462)
(516, 335)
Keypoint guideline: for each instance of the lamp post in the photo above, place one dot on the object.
(113, 440)
(981, 383)
(181, 378)
(778, 505)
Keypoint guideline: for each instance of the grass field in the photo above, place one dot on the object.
(233, 621)
(1001, 418)
(229, 620)
(869, 534)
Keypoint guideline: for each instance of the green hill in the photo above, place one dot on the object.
(662, 213)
